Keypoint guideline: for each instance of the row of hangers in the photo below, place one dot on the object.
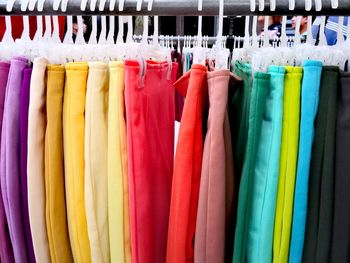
(49, 44)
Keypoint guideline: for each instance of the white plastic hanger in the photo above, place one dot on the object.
(102, 39)
(222, 54)
(145, 31)
(255, 42)
(335, 4)
(291, 4)
(252, 5)
(308, 5)
(199, 53)
(297, 31)
(93, 35)
(120, 37)
(39, 29)
(246, 33)
(318, 5)
(25, 33)
(9, 5)
(130, 30)
(272, 5)
(56, 30)
(155, 32)
(112, 5)
(64, 5)
(322, 37)
(283, 32)
(56, 4)
(24, 5)
(83, 5)
(48, 28)
(138, 5)
(340, 37)
(261, 5)
(31, 5)
(266, 32)
(150, 5)
(102, 4)
(79, 40)
(309, 38)
(68, 37)
(93, 4)
(121, 5)
(40, 6)
(110, 36)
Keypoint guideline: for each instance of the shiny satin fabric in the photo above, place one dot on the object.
(56, 215)
(187, 167)
(118, 189)
(150, 115)
(95, 180)
(10, 160)
(217, 174)
(288, 163)
(73, 143)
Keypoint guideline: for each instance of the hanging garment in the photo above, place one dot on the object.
(264, 188)
(309, 105)
(96, 182)
(150, 115)
(187, 167)
(73, 145)
(215, 202)
(118, 199)
(10, 160)
(240, 105)
(56, 216)
(319, 220)
(235, 84)
(341, 215)
(259, 93)
(23, 134)
(288, 164)
(36, 160)
(6, 251)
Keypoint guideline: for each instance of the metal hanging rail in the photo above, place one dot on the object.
(186, 8)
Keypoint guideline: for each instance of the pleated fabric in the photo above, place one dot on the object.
(319, 220)
(23, 134)
(96, 190)
(10, 160)
(187, 167)
(264, 188)
(309, 105)
(36, 160)
(288, 163)
(260, 89)
(118, 200)
(149, 110)
(6, 251)
(55, 208)
(217, 171)
(341, 215)
(73, 145)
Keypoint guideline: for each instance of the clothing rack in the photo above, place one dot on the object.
(185, 7)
